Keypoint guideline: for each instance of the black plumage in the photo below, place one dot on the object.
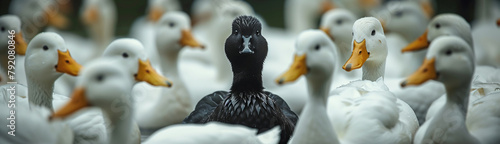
(246, 103)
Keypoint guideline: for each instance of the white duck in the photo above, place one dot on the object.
(405, 22)
(450, 60)
(163, 106)
(368, 103)
(315, 59)
(37, 14)
(107, 86)
(214, 133)
(337, 24)
(143, 27)
(10, 25)
(99, 17)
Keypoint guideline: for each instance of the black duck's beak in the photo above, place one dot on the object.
(246, 45)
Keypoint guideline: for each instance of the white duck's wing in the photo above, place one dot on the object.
(212, 132)
(483, 117)
(366, 112)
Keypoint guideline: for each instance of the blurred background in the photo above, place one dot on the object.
(271, 10)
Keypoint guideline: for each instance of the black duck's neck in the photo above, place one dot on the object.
(247, 79)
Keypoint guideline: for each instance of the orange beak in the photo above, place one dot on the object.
(155, 14)
(426, 72)
(419, 44)
(20, 44)
(326, 6)
(66, 64)
(187, 39)
(91, 15)
(77, 102)
(297, 69)
(148, 74)
(327, 31)
(358, 57)
(56, 19)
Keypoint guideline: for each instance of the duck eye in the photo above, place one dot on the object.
(45, 48)
(171, 24)
(125, 55)
(398, 14)
(438, 25)
(449, 52)
(100, 77)
(317, 47)
(3, 29)
(352, 33)
(258, 32)
(339, 22)
(373, 32)
(235, 31)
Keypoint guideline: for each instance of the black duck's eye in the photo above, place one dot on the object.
(398, 14)
(235, 31)
(100, 77)
(438, 25)
(339, 22)
(449, 52)
(171, 24)
(258, 32)
(373, 32)
(3, 29)
(317, 47)
(125, 55)
(45, 48)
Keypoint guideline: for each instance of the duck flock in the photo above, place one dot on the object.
(367, 72)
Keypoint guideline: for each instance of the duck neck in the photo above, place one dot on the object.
(372, 70)
(247, 79)
(318, 88)
(120, 116)
(40, 94)
(169, 64)
(459, 96)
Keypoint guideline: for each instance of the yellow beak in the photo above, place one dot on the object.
(426, 72)
(148, 74)
(77, 102)
(66, 64)
(418, 44)
(56, 19)
(326, 6)
(327, 31)
(297, 69)
(358, 57)
(155, 14)
(20, 44)
(187, 39)
(91, 15)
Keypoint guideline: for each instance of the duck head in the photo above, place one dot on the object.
(47, 58)
(406, 18)
(337, 24)
(174, 32)
(246, 47)
(443, 24)
(103, 84)
(368, 43)
(11, 25)
(156, 8)
(450, 60)
(314, 58)
(129, 53)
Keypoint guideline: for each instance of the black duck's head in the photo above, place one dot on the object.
(246, 47)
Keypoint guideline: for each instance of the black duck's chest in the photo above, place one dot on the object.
(254, 110)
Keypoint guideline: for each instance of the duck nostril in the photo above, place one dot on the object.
(403, 84)
(67, 61)
(360, 52)
(55, 66)
(147, 71)
(425, 70)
